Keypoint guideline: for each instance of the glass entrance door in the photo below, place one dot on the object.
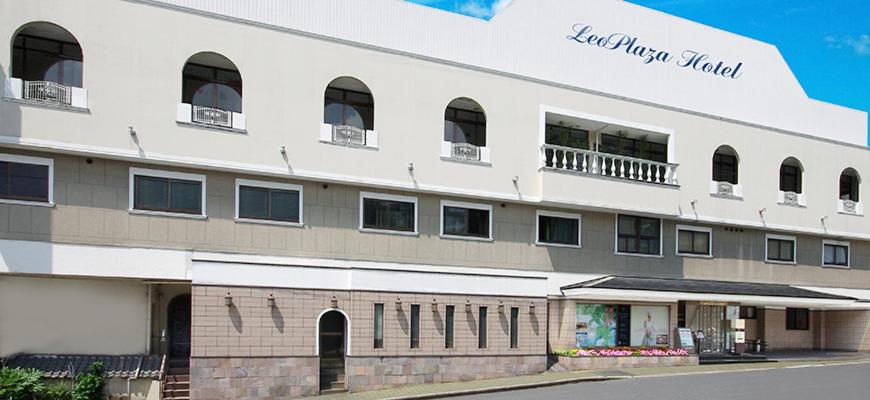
(712, 322)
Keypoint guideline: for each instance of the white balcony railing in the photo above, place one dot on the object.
(610, 165)
(211, 116)
(465, 151)
(348, 134)
(50, 92)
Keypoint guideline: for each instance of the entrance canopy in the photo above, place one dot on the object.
(672, 290)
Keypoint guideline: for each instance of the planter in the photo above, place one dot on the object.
(566, 363)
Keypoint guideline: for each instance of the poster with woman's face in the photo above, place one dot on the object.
(650, 326)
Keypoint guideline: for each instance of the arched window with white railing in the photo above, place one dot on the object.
(849, 201)
(349, 114)
(725, 179)
(791, 192)
(211, 92)
(465, 131)
(47, 64)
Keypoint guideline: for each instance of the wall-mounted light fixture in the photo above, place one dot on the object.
(283, 151)
(131, 131)
(500, 307)
(270, 301)
(398, 304)
(228, 300)
(334, 302)
(532, 308)
(468, 306)
(411, 167)
(434, 305)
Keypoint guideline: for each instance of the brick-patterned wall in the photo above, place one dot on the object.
(563, 321)
(847, 330)
(779, 338)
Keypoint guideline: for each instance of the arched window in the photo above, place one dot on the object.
(48, 60)
(850, 182)
(465, 131)
(791, 176)
(725, 165)
(211, 83)
(349, 102)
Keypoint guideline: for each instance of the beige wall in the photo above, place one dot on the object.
(847, 330)
(250, 328)
(779, 338)
(93, 198)
(72, 316)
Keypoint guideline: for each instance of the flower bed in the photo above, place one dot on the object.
(617, 358)
(623, 352)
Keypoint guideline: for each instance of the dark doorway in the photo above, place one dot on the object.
(179, 327)
(333, 328)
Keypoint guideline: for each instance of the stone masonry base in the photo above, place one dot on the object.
(372, 373)
(586, 363)
(254, 378)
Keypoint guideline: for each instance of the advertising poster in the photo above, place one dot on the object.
(596, 325)
(649, 326)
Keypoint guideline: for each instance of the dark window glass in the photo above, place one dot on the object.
(26, 182)
(41, 59)
(213, 87)
(780, 250)
(448, 327)
(565, 137)
(836, 255)
(466, 222)
(790, 178)
(638, 235)
(348, 107)
(515, 316)
(725, 168)
(169, 195)
(415, 326)
(797, 319)
(388, 215)
(634, 148)
(481, 328)
(558, 230)
(464, 126)
(747, 312)
(693, 242)
(268, 204)
(379, 326)
(848, 187)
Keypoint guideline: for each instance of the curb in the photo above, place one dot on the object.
(506, 388)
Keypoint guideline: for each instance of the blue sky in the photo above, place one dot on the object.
(826, 43)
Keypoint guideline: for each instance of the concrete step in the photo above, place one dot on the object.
(177, 378)
(176, 385)
(333, 391)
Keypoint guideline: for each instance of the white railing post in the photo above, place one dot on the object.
(611, 165)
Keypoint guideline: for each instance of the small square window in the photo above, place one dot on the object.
(25, 178)
(694, 241)
(558, 229)
(781, 249)
(638, 235)
(797, 319)
(835, 254)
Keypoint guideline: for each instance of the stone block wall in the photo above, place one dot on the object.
(589, 363)
(250, 378)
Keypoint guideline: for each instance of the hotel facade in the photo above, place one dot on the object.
(284, 199)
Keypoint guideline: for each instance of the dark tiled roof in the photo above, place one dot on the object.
(702, 286)
(62, 366)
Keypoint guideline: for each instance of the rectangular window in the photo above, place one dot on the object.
(835, 253)
(171, 192)
(694, 241)
(388, 212)
(515, 316)
(636, 148)
(797, 319)
(415, 326)
(466, 220)
(781, 248)
(25, 178)
(448, 327)
(379, 326)
(481, 328)
(748, 312)
(638, 235)
(268, 201)
(558, 228)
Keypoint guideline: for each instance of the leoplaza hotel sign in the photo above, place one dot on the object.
(688, 59)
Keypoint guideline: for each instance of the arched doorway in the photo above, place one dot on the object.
(179, 328)
(332, 331)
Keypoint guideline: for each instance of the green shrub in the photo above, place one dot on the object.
(59, 390)
(20, 384)
(90, 385)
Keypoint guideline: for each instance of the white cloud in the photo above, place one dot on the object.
(480, 9)
(861, 45)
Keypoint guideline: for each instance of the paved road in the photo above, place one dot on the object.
(838, 382)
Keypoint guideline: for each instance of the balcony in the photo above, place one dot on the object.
(850, 207)
(589, 162)
(465, 152)
(350, 136)
(46, 92)
(210, 117)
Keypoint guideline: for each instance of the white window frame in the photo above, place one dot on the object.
(268, 185)
(702, 229)
(389, 197)
(156, 173)
(48, 162)
(848, 246)
(780, 237)
(462, 204)
(616, 237)
(556, 214)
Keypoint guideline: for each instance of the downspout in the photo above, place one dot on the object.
(134, 376)
(148, 321)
